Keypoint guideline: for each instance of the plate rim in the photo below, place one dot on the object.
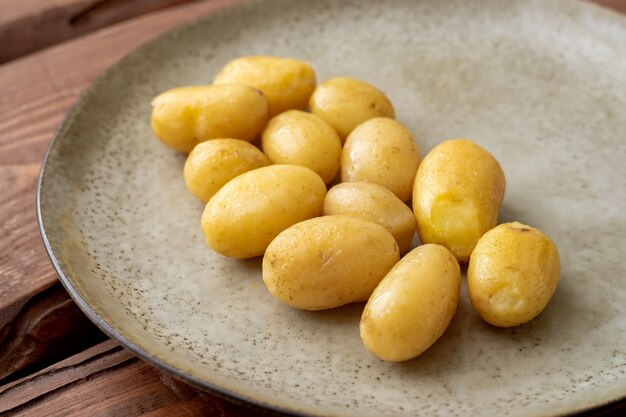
(601, 407)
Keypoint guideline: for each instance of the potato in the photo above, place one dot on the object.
(374, 203)
(213, 163)
(328, 261)
(249, 211)
(287, 83)
(300, 138)
(186, 116)
(456, 196)
(413, 305)
(381, 151)
(513, 272)
(346, 102)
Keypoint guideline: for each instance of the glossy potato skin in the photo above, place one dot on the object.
(300, 138)
(213, 163)
(249, 211)
(183, 117)
(413, 305)
(381, 151)
(456, 195)
(346, 102)
(374, 203)
(512, 274)
(328, 261)
(287, 83)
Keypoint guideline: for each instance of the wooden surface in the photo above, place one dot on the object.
(53, 361)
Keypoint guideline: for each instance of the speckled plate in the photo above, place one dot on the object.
(541, 84)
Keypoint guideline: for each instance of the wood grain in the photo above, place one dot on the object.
(107, 380)
(30, 25)
(36, 92)
(38, 322)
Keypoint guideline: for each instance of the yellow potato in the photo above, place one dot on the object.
(381, 151)
(213, 163)
(413, 305)
(186, 116)
(328, 261)
(512, 274)
(456, 196)
(287, 83)
(243, 217)
(300, 138)
(374, 203)
(346, 102)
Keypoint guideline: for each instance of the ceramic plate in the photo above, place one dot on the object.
(540, 84)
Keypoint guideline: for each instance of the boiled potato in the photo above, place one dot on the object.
(186, 116)
(512, 274)
(328, 261)
(381, 151)
(346, 102)
(213, 163)
(413, 305)
(300, 138)
(375, 203)
(243, 217)
(287, 83)
(456, 195)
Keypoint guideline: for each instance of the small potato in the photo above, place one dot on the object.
(381, 151)
(456, 196)
(413, 305)
(243, 217)
(328, 261)
(300, 138)
(512, 274)
(213, 163)
(287, 83)
(345, 103)
(376, 204)
(186, 116)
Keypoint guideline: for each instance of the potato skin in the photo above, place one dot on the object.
(183, 117)
(413, 305)
(376, 204)
(249, 211)
(300, 138)
(287, 83)
(456, 195)
(213, 163)
(328, 261)
(346, 102)
(513, 272)
(381, 151)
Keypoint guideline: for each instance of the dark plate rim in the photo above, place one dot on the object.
(598, 409)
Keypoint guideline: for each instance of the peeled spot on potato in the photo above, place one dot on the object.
(513, 273)
(183, 117)
(346, 102)
(457, 194)
(287, 83)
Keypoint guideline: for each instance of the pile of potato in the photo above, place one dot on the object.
(323, 249)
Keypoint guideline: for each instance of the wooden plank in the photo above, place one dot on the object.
(30, 25)
(107, 380)
(36, 92)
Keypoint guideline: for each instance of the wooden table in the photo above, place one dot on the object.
(53, 360)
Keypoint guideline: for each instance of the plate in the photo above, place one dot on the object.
(541, 85)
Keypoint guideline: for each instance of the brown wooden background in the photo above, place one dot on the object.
(53, 360)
